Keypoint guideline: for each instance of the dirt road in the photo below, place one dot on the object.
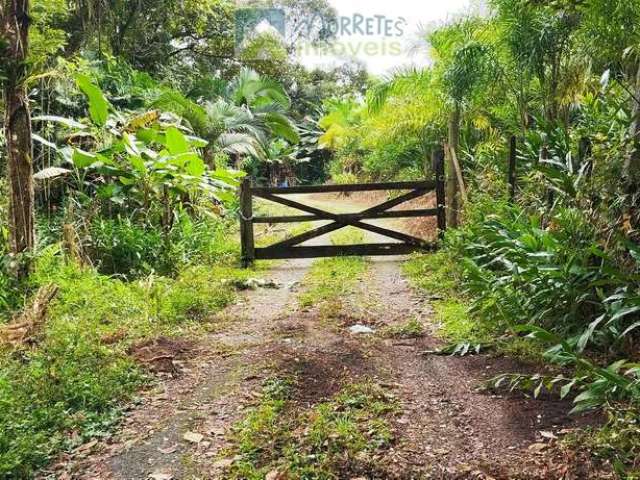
(441, 426)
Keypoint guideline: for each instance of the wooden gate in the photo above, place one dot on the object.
(291, 248)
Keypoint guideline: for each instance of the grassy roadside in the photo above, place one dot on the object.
(72, 383)
(437, 275)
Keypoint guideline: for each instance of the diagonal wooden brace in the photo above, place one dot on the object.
(341, 221)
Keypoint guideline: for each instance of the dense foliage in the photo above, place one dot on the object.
(559, 262)
(147, 114)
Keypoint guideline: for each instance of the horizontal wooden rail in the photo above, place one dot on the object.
(354, 187)
(341, 250)
(349, 217)
(293, 247)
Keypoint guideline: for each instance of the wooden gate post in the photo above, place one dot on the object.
(438, 168)
(513, 145)
(246, 223)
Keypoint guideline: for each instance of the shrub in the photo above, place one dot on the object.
(518, 271)
(121, 246)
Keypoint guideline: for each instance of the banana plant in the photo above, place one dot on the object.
(149, 162)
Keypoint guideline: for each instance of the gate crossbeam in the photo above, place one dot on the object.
(292, 248)
(343, 220)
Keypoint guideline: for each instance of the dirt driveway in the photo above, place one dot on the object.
(443, 426)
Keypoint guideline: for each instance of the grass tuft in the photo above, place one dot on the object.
(336, 437)
(410, 329)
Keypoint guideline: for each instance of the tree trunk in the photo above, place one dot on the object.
(452, 183)
(15, 30)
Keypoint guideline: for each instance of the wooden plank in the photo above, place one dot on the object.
(340, 223)
(403, 237)
(394, 202)
(438, 168)
(246, 224)
(303, 237)
(379, 249)
(335, 226)
(425, 212)
(354, 187)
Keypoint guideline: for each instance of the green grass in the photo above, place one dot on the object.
(331, 439)
(70, 387)
(330, 279)
(410, 329)
(437, 276)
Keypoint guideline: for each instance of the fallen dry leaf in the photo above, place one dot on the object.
(161, 476)
(537, 447)
(274, 475)
(224, 463)
(548, 435)
(216, 431)
(85, 448)
(193, 437)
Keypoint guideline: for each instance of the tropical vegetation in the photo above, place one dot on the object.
(128, 126)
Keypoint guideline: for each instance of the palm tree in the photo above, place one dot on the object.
(464, 66)
(252, 111)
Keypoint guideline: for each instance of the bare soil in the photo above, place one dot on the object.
(447, 428)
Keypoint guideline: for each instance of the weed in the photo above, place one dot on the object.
(433, 273)
(413, 328)
(618, 440)
(436, 275)
(439, 276)
(333, 438)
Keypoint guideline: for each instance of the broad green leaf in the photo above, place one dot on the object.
(126, 181)
(147, 135)
(67, 122)
(98, 104)
(82, 159)
(137, 163)
(624, 312)
(564, 391)
(630, 329)
(197, 142)
(195, 166)
(588, 333)
(537, 333)
(130, 145)
(176, 142)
